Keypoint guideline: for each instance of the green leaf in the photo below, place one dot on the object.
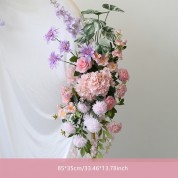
(104, 122)
(63, 120)
(90, 11)
(112, 8)
(100, 98)
(100, 133)
(108, 32)
(78, 114)
(99, 155)
(76, 73)
(55, 116)
(73, 59)
(82, 151)
(101, 146)
(87, 147)
(111, 91)
(121, 102)
(111, 113)
(71, 135)
(89, 28)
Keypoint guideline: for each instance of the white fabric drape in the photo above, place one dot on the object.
(29, 89)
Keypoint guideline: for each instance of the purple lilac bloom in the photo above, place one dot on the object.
(87, 52)
(53, 59)
(64, 46)
(74, 28)
(51, 35)
(61, 12)
(73, 25)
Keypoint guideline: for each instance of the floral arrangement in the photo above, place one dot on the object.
(96, 85)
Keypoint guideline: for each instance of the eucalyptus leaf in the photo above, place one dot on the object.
(112, 8)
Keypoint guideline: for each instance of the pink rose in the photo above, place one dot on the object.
(83, 65)
(123, 75)
(121, 90)
(114, 127)
(111, 102)
(117, 53)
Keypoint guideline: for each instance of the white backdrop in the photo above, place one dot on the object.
(150, 116)
(29, 90)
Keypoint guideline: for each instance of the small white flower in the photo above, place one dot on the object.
(68, 128)
(100, 108)
(92, 124)
(79, 141)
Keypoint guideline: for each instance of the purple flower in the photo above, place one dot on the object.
(2, 23)
(74, 27)
(87, 52)
(51, 35)
(64, 46)
(53, 59)
(61, 12)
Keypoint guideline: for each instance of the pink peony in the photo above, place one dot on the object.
(83, 65)
(123, 75)
(70, 74)
(100, 108)
(92, 124)
(94, 84)
(68, 128)
(111, 102)
(122, 89)
(114, 127)
(79, 141)
(66, 93)
(113, 67)
(82, 107)
(117, 53)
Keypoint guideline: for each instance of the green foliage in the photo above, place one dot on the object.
(112, 8)
(108, 32)
(73, 59)
(100, 98)
(111, 91)
(111, 113)
(90, 11)
(121, 102)
(76, 73)
(55, 116)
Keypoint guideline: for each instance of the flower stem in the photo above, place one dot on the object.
(107, 16)
(93, 136)
(69, 63)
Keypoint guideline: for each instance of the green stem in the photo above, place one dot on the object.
(69, 63)
(57, 40)
(107, 16)
(72, 53)
(97, 33)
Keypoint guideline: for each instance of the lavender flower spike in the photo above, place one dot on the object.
(53, 59)
(51, 35)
